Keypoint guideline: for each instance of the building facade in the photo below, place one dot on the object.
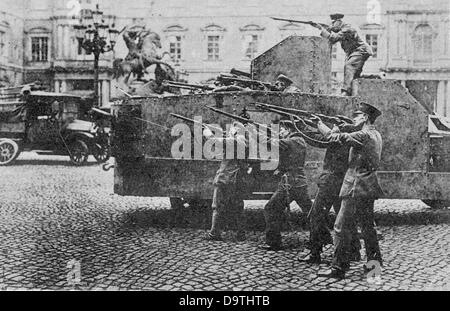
(203, 38)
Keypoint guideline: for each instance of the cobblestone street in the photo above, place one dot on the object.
(54, 215)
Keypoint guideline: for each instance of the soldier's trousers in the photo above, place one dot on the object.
(361, 211)
(275, 209)
(319, 233)
(354, 64)
(228, 204)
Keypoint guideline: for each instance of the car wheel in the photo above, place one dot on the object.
(101, 153)
(437, 204)
(9, 151)
(78, 152)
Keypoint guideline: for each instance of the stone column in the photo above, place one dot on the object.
(105, 92)
(57, 86)
(63, 86)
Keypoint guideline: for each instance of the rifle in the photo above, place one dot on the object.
(227, 80)
(311, 23)
(181, 85)
(236, 72)
(239, 118)
(286, 114)
(337, 120)
(192, 121)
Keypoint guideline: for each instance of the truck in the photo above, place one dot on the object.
(32, 119)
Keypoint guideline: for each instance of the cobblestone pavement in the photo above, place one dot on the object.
(54, 216)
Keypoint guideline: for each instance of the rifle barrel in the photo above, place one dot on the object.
(239, 118)
(186, 119)
(303, 113)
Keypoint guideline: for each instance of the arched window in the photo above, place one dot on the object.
(213, 34)
(291, 29)
(423, 44)
(251, 38)
(175, 35)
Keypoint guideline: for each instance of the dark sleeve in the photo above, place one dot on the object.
(317, 140)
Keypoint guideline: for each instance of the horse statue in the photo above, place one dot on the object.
(142, 54)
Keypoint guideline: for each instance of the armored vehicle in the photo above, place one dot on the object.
(415, 157)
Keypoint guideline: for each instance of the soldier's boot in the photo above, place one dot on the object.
(215, 233)
(311, 258)
(240, 224)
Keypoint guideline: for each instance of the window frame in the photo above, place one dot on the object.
(40, 48)
(213, 30)
(376, 51)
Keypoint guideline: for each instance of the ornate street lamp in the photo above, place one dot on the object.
(97, 37)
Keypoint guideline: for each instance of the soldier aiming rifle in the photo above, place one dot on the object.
(356, 49)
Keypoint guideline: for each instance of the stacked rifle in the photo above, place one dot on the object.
(236, 80)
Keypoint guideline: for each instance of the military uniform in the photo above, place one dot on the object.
(229, 190)
(335, 165)
(292, 187)
(359, 191)
(292, 89)
(356, 49)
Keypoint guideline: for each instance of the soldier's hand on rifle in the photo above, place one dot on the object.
(207, 133)
(315, 25)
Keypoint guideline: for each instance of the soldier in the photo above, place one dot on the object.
(356, 49)
(335, 165)
(292, 186)
(359, 190)
(228, 197)
(285, 85)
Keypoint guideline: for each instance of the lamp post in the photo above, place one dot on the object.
(97, 37)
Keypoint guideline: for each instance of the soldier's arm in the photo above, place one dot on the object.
(334, 37)
(355, 139)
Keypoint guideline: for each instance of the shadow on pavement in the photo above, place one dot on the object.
(50, 163)
(200, 218)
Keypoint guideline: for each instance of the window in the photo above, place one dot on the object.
(39, 49)
(213, 48)
(175, 48)
(80, 50)
(372, 40)
(423, 43)
(252, 46)
(82, 85)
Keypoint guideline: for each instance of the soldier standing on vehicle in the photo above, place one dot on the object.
(356, 49)
(335, 165)
(292, 187)
(228, 197)
(359, 190)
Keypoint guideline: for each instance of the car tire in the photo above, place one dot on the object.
(9, 151)
(101, 153)
(78, 152)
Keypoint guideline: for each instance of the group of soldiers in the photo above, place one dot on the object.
(348, 182)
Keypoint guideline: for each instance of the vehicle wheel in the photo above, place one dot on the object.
(78, 152)
(437, 204)
(101, 153)
(9, 151)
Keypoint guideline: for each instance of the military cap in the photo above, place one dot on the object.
(370, 110)
(285, 79)
(336, 16)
